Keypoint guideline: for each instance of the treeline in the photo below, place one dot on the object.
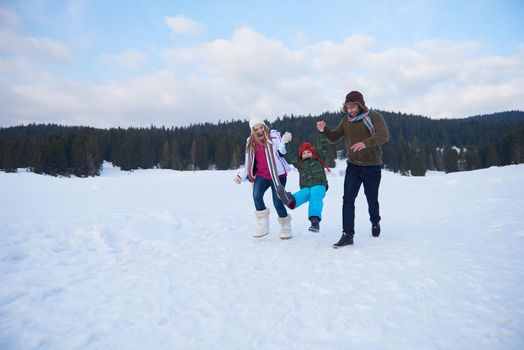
(417, 144)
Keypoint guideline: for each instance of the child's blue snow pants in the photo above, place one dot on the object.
(315, 195)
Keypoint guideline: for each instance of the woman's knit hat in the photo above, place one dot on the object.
(255, 120)
(355, 97)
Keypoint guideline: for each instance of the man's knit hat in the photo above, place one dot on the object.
(255, 120)
(355, 97)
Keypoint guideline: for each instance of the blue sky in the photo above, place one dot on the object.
(135, 63)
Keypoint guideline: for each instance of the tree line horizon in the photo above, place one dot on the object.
(417, 144)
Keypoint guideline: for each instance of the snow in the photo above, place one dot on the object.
(159, 259)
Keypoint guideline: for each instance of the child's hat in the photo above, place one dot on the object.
(255, 120)
(306, 146)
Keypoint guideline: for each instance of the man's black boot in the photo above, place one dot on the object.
(375, 229)
(346, 239)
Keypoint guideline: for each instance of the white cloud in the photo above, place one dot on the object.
(8, 19)
(182, 25)
(251, 73)
(130, 59)
(15, 70)
(447, 84)
(249, 57)
(338, 59)
(37, 48)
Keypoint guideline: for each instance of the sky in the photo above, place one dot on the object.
(175, 63)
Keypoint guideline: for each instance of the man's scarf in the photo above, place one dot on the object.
(366, 119)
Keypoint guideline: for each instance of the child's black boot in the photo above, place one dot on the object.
(315, 224)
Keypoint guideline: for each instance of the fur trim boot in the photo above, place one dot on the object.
(285, 227)
(262, 227)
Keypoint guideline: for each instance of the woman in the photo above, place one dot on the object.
(266, 167)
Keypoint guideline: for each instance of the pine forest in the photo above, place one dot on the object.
(417, 144)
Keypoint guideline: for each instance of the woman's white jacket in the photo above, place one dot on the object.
(275, 152)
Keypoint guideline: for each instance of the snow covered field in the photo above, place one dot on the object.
(158, 259)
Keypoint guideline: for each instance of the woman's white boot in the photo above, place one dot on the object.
(285, 227)
(262, 227)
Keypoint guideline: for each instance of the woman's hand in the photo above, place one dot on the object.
(286, 138)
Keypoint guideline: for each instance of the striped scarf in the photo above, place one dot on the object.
(271, 162)
(366, 119)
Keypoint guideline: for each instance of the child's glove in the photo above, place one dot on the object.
(237, 179)
(286, 137)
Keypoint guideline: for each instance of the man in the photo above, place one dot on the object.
(364, 132)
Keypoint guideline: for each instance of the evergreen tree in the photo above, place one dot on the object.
(472, 158)
(145, 154)
(126, 154)
(391, 157)
(236, 157)
(492, 158)
(165, 159)
(330, 156)
(461, 163)
(439, 159)
(202, 154)
(506, 149)
(54, 156)
(5, 157)
(418, 166)
(37, 158)
(175, 161)
(221, 157)
(404, 164)
(321, 145)
(78, 158)
(194, 150)
(429, 151)
(94, 155)
(518, 148)
(451, 158)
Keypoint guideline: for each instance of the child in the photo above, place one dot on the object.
(313, 185)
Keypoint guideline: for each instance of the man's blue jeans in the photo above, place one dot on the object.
(356, 175)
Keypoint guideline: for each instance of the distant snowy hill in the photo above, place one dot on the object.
(160, 259)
